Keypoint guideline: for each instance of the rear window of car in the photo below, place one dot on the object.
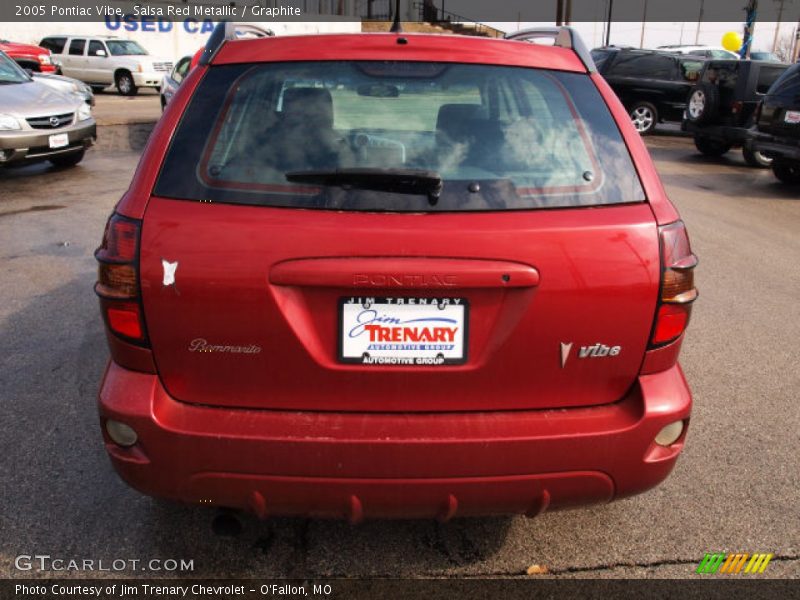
(55, 45)
(787, 84)
(356, 135)
(766, 77)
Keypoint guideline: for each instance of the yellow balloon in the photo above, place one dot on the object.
(732, 41)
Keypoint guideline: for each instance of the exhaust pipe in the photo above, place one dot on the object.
(227, 523)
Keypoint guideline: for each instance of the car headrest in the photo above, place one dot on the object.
(455, 120)
(311, 106)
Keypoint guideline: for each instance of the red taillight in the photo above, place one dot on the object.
(124, 319)
(118, 279)
(677, 291)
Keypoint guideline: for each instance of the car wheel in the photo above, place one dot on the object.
(68, 160)
(644, 117)
(787, 171)
(125, 84)
(710, 147)
(754, 158)
(702, 103)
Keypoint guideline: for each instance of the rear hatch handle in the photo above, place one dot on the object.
(403, 272)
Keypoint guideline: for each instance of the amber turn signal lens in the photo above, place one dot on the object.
(677, 285)
(116, 281)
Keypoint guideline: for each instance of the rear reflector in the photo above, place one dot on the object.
(116, 281)
(677, 284)
(124, 318)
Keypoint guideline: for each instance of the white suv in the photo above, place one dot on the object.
(101, 61)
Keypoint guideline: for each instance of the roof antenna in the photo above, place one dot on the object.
(396, 27)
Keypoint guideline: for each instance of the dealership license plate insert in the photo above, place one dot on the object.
(792, 116)
(403, 331)
(59, 140)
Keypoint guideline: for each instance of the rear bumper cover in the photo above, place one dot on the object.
(357, 465)
(777, 147)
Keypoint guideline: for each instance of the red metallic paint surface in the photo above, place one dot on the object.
(384, 46)
(496, 461)
(598, 270)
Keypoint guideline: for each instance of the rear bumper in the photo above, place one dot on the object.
(775, 147)
(357, 465)
(724, 133)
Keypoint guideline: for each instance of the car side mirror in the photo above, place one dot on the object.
(101, 53)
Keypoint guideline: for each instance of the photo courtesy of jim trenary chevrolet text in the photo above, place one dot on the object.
(399, 298)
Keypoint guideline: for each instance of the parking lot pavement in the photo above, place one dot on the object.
(734, 489)
(113, 109)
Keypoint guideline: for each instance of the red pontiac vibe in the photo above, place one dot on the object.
(390, 275)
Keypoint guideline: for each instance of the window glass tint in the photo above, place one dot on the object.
(125, 48)
(651, 66)
(54, 44)
(95, 47)
(181, 69)
(766, 77)
(76, 47)
(690, 69)
(788, 83)
(600, 57)
(500, 138)
(724, 75)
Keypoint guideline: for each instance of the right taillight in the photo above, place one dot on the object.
(677, 291)
(118, 279)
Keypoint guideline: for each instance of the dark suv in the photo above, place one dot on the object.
(722, 106)
(778, 126)
(652, 85)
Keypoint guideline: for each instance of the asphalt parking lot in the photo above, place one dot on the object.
(733, 490)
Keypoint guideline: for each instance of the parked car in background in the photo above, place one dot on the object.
(768, 56)
(701, 51)
(777, 131)
(38, 122)
(722, 105)
(652, 85)
(66, 85)
(35, 58)
(172, 80)
(102, 61)
(301, 320)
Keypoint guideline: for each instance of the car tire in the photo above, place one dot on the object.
(644, 117)
(710, 147)
(787, 171)
(703, 103)
(754, 158)
(68, 160)
(125, 84)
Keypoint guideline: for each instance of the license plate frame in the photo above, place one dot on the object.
(792, 117)
(58, 140)
(386, 353)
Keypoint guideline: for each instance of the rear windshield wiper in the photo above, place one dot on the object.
(399, 181)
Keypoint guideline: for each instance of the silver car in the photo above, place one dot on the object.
(38, 122)
(67, 85)
(173, 79)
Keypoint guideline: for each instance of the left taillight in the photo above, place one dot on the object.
(118, 279)
(677, 290)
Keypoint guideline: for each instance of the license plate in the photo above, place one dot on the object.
(403, 331)
(792, 116)
(59, 140)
